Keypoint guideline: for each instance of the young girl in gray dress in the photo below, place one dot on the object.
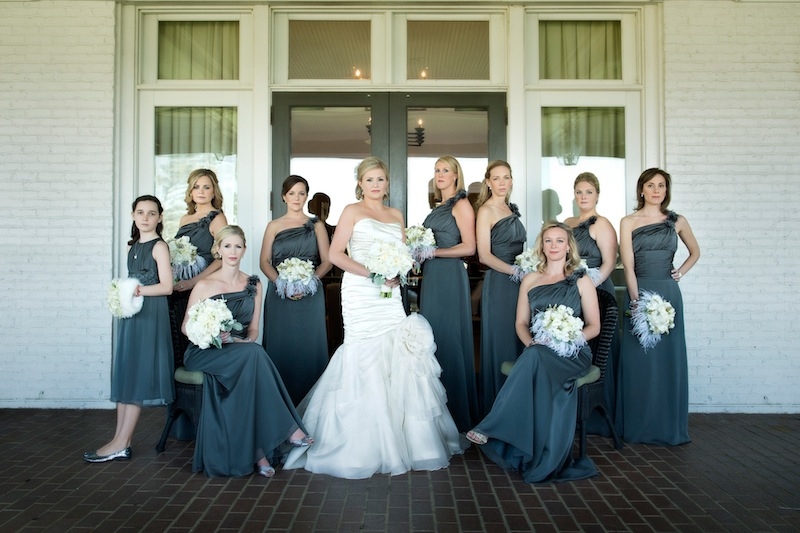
(141, 373)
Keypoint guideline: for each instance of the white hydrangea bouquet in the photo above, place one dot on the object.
(652, 317)
(121, 298)
(524, 264)
(593, 273)
(207, 319)
(296, 278)
(421, 243)
(186, 264)
(558, 329)
(387, 260)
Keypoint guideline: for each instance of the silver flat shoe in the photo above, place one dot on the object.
(122, 455)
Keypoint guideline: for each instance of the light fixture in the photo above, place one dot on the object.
(357, 73)
(413, 138)
(570, 147)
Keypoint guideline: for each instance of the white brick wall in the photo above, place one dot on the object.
(56, 170)
(732, 107)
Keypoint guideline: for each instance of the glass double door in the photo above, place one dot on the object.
(323, 137)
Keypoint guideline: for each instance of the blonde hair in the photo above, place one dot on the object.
(365, 166)
(224, 233)
(589, 178)
(486, 192)
(573, 255)
(216, 202)
(455, 166)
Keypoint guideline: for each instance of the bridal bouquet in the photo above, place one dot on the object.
(421, 243)
(653, 316)
(296, 277)
(524, 264)
(558, 329)
(593, 273)
(186, 264)
(387, 260)
(207, 319)
(121, 298)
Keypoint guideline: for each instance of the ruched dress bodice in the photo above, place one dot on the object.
(199, 234)
(589, 250)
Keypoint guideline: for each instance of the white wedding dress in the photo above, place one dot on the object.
(379, 406)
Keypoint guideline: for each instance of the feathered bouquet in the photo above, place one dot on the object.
(524, 264)
(593, 273)
(207, 319)
(558, 329)
(421, 243)
(653, 316)
(296, 278)
(186, 264)
(121, 298)
(387, 260)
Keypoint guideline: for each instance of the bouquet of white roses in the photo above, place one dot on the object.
(421, 243)
(387, 260)
(296, 277)
(121, 298)
(652, 317)
(186, 264)
(207, 319)
(593, 273)
(558, 329)
(524, 264)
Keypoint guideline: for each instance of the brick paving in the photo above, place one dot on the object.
(740, 473)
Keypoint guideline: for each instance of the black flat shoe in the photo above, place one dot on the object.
(122, 455)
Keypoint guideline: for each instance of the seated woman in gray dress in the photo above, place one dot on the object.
(531, 426)
(247, 413)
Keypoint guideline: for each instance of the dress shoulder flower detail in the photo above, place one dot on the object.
(252, 283)
(309, 224)
(514, 210)
(460, 194)
(588, 222)
(672, 218)
(573, 278)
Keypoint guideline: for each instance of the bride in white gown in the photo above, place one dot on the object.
(379, 406)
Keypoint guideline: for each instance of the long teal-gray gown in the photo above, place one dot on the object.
(247, 413)
(590, 252)
(499, 341)
(531, 426)
(141, 373)
(445, 303)
(199, 234)
(294, 330)
(653, 388)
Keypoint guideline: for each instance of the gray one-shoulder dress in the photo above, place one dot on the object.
(499, 341)
(445, 303)
(294, 330)
(247, 412)
(141, 372)
(531, 427)
(590, 252)
(653, 388)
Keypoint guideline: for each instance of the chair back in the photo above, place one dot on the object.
(601, 345)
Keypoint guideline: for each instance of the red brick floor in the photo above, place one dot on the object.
(740, 473)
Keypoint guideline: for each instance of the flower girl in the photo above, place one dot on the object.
(141, 374)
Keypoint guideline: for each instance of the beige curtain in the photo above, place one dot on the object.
(198, 50)
(589, 131)
(580, 50)
(193, 130)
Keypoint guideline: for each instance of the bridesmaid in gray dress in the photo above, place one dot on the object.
(141, 373)
(597, 242)
(247, 412)
(445, 292)
(501, 237)
(531, 427)
(294, 324)
(653, 391)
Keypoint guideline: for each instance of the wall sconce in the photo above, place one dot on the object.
(413, 138)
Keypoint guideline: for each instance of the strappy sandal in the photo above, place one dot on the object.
(302, 443)
(266, 470)
(477, 438)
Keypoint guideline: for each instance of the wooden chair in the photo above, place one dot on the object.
(188, 384)
(591, 394)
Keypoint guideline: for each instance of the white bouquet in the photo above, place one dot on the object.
(593, 273)
(207, 319)
(387, 260)
(121, 298)
(421, 243)
(296, 277)
(186, 264)
(558, 329)
(653, 316)
(524, 264)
